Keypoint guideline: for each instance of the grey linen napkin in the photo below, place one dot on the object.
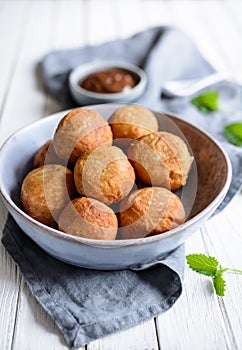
(87, 304)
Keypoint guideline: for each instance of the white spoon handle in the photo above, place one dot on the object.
(184, 88)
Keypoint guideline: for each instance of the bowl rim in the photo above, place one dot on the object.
(113, 243)
(87, 68)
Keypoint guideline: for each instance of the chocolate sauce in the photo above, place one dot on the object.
(109, 81)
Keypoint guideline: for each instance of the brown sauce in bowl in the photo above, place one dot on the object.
(109, 81)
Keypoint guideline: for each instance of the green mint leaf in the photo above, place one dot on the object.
(219, 283)
(233, 133)
(207, 102)
(207, 265)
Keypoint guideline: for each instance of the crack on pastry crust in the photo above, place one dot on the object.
(164, 157)
(150, 211)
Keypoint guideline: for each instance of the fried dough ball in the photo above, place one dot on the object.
(161, 159)
(132, 122)
(104, 174)
(79, 131)
(150, 211)
(45, 191)
(88, 218)
(46, 155)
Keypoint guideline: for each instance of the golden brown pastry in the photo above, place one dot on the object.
(46, 155)
(132, 122)
(45, 191)
(150, 211)
(104, 174)
(88, 218)
(79, 131)
(161, 159)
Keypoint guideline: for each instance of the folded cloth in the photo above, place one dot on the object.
(87, 304)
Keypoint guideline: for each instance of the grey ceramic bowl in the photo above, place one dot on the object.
(208, 183)
(83, 96)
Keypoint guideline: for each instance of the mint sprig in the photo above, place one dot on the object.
(209, 266)
(233, 133)
(219, 282)
(207, 102)
(201, 263)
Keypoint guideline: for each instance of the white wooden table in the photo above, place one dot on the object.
(28, 30)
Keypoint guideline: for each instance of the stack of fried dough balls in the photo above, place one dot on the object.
(79, 175)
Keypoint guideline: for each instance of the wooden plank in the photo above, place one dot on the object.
(191, 16)
(157, 13)
(131, 17)
(34, 328)
(216, 21)
(195, 321)
(233, 10)
(186, 16)
(194, 18)
(10, 281)
(224, 241)
(11, 40)
(26, 99)
(101, 22)
(70, 29)
(140, 337)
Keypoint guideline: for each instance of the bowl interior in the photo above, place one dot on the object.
(208, 178)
